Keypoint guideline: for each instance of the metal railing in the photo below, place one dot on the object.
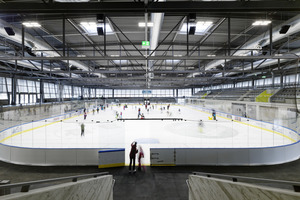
(26, 185)
(295, 185)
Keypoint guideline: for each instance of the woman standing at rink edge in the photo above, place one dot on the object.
(132, 156)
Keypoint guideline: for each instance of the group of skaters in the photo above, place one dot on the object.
(85, 111)
(132, 156)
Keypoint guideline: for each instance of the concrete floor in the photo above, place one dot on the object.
(155, 183)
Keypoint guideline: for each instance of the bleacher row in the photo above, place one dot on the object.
(280, 95)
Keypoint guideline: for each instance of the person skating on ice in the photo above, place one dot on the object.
(82, 129)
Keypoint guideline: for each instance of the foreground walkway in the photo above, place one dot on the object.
(156, 183)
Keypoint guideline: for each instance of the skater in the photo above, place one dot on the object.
(85, 115)
(201, 126)
(139, 113)
(97, 109)
(82, 129)
(132, 155)
(214, 114)
(93, 111)
(141, 155)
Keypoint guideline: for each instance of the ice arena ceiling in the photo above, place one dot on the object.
(148, 44)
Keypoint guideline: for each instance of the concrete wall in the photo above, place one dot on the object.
(203, 188)
(28, 113)
(100, 188)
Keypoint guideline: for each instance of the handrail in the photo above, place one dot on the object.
(296, 185)
(26, 185)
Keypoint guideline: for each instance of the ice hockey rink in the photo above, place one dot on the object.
(178, 127)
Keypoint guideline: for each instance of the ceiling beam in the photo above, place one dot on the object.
(161, 7)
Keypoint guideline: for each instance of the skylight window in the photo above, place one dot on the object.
(201, 27)
(31, 24)
(261, 23)
(91, 27)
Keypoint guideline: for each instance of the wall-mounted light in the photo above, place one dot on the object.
(9, 31)
(284, 29)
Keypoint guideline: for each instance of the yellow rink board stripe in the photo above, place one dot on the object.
(112, 165)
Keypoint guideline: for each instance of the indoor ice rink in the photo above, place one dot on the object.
(163, 126)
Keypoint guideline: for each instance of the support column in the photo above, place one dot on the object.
(229, 40)
(42, 96)
(60, 92)
(271, 39)
(23, 40)
(82, 92)
(72, 91)
(64, 35)
(13, 90)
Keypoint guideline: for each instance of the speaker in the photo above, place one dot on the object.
(192, 30)
(100, 18)
(100, 31)
(9, 31)
(284, 29)
(192, 17)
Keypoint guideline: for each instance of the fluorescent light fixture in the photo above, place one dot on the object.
(71, 1)
(172, 61)
(31, 24)
(212, 55)
(261, 23)
(91, 28)
(177, 55)
(120, 62)
(201, 27)
(115, 55)
(142, 24)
